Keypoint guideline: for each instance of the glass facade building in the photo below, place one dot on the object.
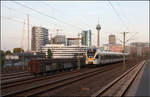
(86, 38)
(39, 38)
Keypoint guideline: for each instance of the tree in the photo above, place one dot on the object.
(2, 58)
(49, 53)
(18, 50)
(8, 52)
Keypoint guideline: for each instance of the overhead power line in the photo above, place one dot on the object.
(46, 15)
(21, 12)
(132, 37)
(62, 13)
(25, 14)
(18, 21)
(118, 15)
(125, 16)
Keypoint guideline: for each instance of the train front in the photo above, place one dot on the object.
(90, 56)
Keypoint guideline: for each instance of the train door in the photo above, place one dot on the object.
(104, 59)
(97, 60)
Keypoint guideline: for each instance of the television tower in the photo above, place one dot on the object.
(98, 28)
(28, 33)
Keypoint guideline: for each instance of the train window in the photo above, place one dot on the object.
(111, 56)
(91, 53)
(102, 57)
(107, 56)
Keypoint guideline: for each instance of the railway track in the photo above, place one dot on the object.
(38, 79)
(17, 79)
(13, 74)
(119, 86)
(87, 86)
(39, 86)
(46, 84)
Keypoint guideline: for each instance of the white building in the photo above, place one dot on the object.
(62, 51)
(11, 57)
(73, 41)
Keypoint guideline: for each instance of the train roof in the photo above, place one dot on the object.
(108, 52)
(112, 53)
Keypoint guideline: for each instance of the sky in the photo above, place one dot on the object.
(71, 17)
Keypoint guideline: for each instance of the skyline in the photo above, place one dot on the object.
(78, 15)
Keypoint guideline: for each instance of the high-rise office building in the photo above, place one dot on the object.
(39, 38)
(86, 38)
(112, 40)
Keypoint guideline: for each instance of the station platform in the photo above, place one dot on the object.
(141, 84)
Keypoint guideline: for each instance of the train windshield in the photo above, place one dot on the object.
(91, 53)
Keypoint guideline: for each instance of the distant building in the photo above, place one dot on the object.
(39, 38)
(86, 38)
(106, 47)
(113, 48)
(73, 41)
(112, 40)
(116, 48)
(140, 44)
(62, 51)
(59, 39)
(139, 48)
(12, 57)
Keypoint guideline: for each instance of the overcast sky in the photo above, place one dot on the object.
(71, 17)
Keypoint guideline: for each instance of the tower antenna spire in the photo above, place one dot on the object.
(98, 20)
(98, 28)
(28, 32)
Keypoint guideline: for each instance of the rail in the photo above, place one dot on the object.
(119, 86)
(38, 88)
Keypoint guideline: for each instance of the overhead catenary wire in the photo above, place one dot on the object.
(131, 37)
(61, 12)
(25, 14)
(122, 21)
(41, 13)
(125, 16)
(129, 22)
(35, 18)
(18, 21)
